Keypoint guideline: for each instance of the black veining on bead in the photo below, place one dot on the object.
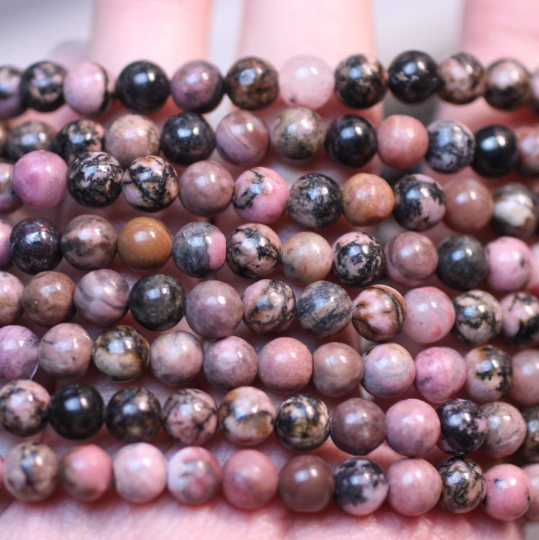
(35, 418)
(245, 199)
(42, 86)
(496, 365)
(78, 137)
(528, 329)
(29, 136)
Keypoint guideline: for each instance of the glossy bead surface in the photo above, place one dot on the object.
(9, 200)
(508, 84)
(506, 429)
(41, 86)
(29, 136)
(11, 102)
(307, 257)
(530, 447)
(5, 250)
(528, 149)
(462, 79)
(525, 389)
(18, 353)
(532, 472)
(509, 264)
(11, 290)
(520, 318)
(78, 137)
(496, 151)
(451, 146)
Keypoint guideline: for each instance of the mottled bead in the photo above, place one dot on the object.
(5, 248)
(528, 149)
(307, 257)
(214, 309)
(520, 318)
(189, 417)
(496, 152)
(525, 389)
(23, 408)
(508, 84)
(18, 353)
(358, 426)
(78, 137)
(242, 138)
(4, 137)
(11, 290)
(9, 200)
(337, 369)
(94, 179)
(197, 86)
(389, 370)
(41, 86)
(133, 415)
(463, 427)
(131, 136)
(246, 416)
(533, 474)
(530, 447)
(187, 138)
(230, 363)
(351, 141)
(506, 429)
(29, 136)
(176, 358)
(462, 79)
(35, 245)
(463, 485)
(30, 471)
(75, 411)
(157, 302)
(451, 146)
(11, 101)
(478, 318)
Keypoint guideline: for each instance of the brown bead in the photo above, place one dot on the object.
(144, 244)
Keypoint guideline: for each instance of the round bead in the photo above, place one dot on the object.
(9, 200)
(530, 447)
(78, 137)
(176, 358)
(496, 151)
(525, 389)
(18, 353)
(29, 136)
(508, 84)
(5, 251)
(41, 86)
(506, 429)
(11, 290)
(520, 316)
(509, 264)
(532, 472)
(358, 426)
(324, 309)
(11, 102)
(306, 484)
(189, 417)
(528, 149)
(75, 411)
(462, 79)
(197, 86)
(4, 137)
(133, 415)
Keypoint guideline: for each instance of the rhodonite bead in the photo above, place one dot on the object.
(285, 365)
(516, 210)
(520, 318)
(246, 416)
(440, 373)
(463, 485)
(528, 149)
(413, 427)
(525, 389)
(30, 471)
(5, 250)
(11, 290)
(189, 417)
(35, 245)
(306, 484)
(157, 302)
(269, 306)
(478, 318)
(41, 86)
(23, 408)
(75, 411)
(530, 448)
(197, 86)
(414, 487)
(413, 77)
(131, 136)
(176, 358)
(85, 472)
(230, 363)
(378, 313)
(94, 179)
(9, 200)
(18, 353)
(11, 101)
(307, 257)
(251, 83)
(78, 137)
(507, 84)
(260, 195)
(533, 474)
(89, 89)
(351, 141)
(133, 415)
(389, 370)
(65, 351)
(419, 202)
(29, 136)
(358, 426)
(506, 429)
(337, 369)
(315, 201)
(509, 264)
(206, 188)
(4, 137)
(121, 354)
(214, 309)
(298, 134)
(140, 472)
(463, 427)
(302, 423)
(496, 152)
(462, 79)
(194, 475)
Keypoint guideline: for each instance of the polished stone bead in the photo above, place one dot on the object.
(510, 263)
(9, 200)
(18, 353)
(530, 447)
(520, 318)
(29, 136)
(11, 290)
(4, 137)
(41, 86)
(525, 389)
(496, 152)
(5, 249)
(508, 84)
(462, 79)
(516, 210)
(533, 474)
(528, 149)
(78, 137)
(506, 429)
(11, 101)
(451, 146)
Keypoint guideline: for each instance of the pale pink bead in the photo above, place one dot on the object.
(431, 314)
(526, 377)
(306, 81)
(533, 284)
(509, 263)
(533, 474)
(5, 252)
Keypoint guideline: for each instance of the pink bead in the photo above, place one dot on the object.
(306, 81)
(414, 487)
(11, 290)
(440, 373)
(526, 377)
(533, 474)
(5, 251)
(413, 427)
(533, 284)
(431, 314)
(249, 480)
(9, 200)
(39, 179)
(18, 353)
(520, 313)
(85, 472)
(506, 429)
(509, 263)
(508, 492)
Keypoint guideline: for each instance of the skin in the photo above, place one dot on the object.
(493, 29)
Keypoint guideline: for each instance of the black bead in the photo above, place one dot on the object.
(496, 151)
(508, 85)
(413, 77)
(143, 86)
(516, 210)
(462, 79)
(133, 415)
(76, 411)
(42, 86)
(157, 302)
(78, 137)
(187, 138)
(351, 141)
(29, 136)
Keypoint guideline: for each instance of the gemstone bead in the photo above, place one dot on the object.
(11, 102)
(78, 137)
(525, 389)
(528, 150)
(18, 353)
(29, 136)
(506, 429)
(451, 146)
(9, 200)
(5, 249)
(520, 318)
(531, 471)
(11, 290)
(530, 447)
(509, 264)
(496, 151)
(508, 84)
(462, 79)
(41, 86)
